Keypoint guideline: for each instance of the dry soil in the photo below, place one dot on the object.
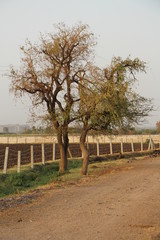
(122, 204)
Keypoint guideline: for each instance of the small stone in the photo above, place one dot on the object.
(19, 220)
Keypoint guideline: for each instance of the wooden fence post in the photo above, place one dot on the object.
(97, 147)
(149, 146)
(122, 145)
(19, 162)
(54, 152)
(32, 157)
(6, 160)
(141, 144)
(111, 147)
(70, 154)
(132, 145)
(43, 154)
(152, 144)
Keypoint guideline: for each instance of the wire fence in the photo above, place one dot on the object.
(14, 154)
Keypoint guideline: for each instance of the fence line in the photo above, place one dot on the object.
(46, 152)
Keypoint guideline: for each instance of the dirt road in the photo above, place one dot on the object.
(123, 204)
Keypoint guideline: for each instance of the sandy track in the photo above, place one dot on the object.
(120, 205)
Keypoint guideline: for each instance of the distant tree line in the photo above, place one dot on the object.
(77, 130)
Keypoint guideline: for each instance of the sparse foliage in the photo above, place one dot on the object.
(59, 78)
(113, 104)
(50, 73)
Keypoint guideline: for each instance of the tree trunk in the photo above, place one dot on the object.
(63, 159)
(62, 137)
(66, 143)
(84, 151)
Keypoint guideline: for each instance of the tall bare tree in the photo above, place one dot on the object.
(50, 74)
(112, 103)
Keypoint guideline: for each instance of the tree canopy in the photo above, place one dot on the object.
(50, 74)
(59, 75)
(112, 104)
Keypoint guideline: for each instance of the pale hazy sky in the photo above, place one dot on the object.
(123, 28)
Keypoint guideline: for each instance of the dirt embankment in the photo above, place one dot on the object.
(123, 204)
